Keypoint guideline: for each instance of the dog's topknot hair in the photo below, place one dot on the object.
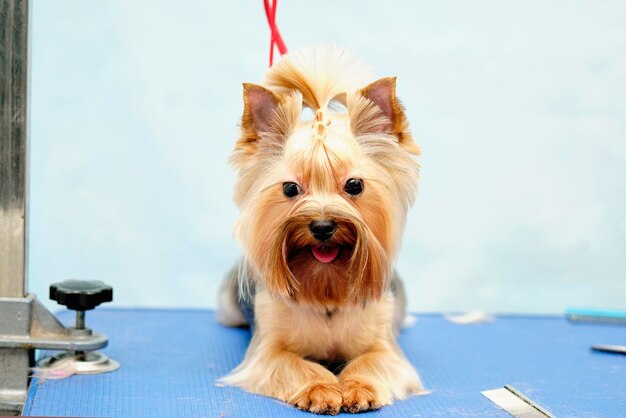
(322, 74)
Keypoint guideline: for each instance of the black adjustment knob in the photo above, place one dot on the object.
(81, 295)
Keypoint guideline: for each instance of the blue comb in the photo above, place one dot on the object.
(607, 316)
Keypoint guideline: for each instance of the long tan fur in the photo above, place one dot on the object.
(306, 311)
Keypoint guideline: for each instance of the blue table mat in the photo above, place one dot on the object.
(171, 360)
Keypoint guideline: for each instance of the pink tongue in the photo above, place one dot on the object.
(325, 256)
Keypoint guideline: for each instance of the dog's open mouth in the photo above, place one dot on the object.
(325, 254)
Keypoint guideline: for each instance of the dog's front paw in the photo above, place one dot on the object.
(359, 397)
(319, 398)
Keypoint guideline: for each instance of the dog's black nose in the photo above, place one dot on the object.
(322, 230)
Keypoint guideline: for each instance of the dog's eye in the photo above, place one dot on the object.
(353, 187)
(291, 189)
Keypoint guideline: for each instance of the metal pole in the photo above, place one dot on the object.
(13, 147)
(80, 320)
(14, 362)
(25, 324)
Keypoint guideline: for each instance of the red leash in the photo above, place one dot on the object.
(276, 39)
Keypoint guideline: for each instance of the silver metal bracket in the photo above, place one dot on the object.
(91, 362)
(25, 325)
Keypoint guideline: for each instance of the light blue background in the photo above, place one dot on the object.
(520, 108)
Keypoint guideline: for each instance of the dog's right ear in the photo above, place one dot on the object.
(259, 109)
(266, 119)
(259, 113)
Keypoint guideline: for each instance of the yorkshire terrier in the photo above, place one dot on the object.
(323, 205)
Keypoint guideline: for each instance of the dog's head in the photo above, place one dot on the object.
(323, 201)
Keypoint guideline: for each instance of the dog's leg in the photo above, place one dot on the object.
(229, 310)
(288, 377)
(376, 378)
(313, 388)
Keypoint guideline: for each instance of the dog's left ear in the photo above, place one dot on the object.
(383, 94)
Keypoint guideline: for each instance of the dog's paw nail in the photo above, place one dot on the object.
(320, 398)
(358, 397)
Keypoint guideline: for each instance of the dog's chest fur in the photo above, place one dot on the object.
(324, 334)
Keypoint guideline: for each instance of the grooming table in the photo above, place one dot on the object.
(172, 358)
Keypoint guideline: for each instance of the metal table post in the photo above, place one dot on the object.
(25, 324)
(14, 48)
(13, 147)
